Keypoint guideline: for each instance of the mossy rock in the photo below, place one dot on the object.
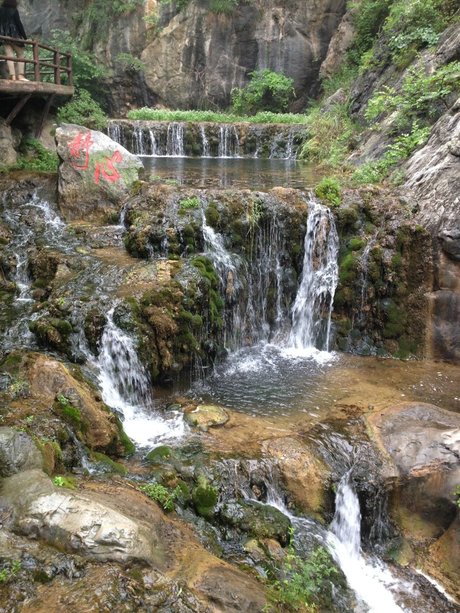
(204, 498)
(163, 452)
(107, 464)
(259, 520)
(207, 416)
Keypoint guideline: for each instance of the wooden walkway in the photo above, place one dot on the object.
(49, 74)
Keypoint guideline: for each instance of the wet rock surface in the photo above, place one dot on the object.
(18, 452)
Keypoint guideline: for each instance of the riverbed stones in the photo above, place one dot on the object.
(206, 416)
(95, 173)
(18, 452)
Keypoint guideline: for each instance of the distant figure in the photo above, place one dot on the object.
(11, 25)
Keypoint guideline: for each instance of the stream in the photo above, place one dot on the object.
(284, 370)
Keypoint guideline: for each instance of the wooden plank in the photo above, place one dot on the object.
(19, 105)
(34, 88)
(46, 110)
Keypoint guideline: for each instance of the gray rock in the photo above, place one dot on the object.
(8, 155)
(75, 522)
(95, 174)
(18, 452)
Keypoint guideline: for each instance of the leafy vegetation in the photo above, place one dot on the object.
(189, 203)
(329, 190)
(457, 495)
(402, 147)
(9, 571)
(83, 111)
(330, 136)
(66, 482)
(304, 583)
(212, 116)
(165, 497)
(266, 91)
(34, 156)
(422, 95)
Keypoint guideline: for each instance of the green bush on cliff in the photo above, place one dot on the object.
(266, 91)
(83, 111)
(305, 583)
(165, 497)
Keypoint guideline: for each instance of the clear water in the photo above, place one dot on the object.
(248, 173)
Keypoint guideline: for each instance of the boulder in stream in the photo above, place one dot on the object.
(95, 173)
(207, 416)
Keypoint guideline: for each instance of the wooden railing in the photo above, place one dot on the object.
(55, 67)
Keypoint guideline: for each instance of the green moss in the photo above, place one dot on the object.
(356, 243)
(396, 321)
(204, 498)
(159, 453)
(128, 446)
(348, 268)
(212, 216)
(70, 414)
(65, 481)
(109, 464)
(189, 203)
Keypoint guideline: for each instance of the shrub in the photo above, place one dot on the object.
(223, 6)
(330, 136)
(266, 91)
(421, 95)
(329, 190)
(189, 203)
(34, 156)
(305, 583)
(401, 148)
(162, 495)
(83, 111)
(9, 571)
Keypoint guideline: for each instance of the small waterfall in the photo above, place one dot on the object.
(126, 387)
(114, 132)
(364, 274)
(370, 580)
(312, 310)
(138, 140)
(290, 153)
(205, 148)
(153, 143)
(175, 140)
(229, 142)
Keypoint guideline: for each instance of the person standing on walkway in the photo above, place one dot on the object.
(11, 25)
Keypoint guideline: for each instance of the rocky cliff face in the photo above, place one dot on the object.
(195, 57)
(199, 56)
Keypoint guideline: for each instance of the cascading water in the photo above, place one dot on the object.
(205, 148)
(229, 143)
(371, 581)
(175, 140)
(125, 386)
(312, 310)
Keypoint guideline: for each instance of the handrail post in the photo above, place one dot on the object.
(36, 61)
(69, 70)
(57, 67)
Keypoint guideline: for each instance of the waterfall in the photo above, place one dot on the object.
(138, 140)
(205, 149)
(229, 142)
(175, 140)
(312, 310)
(370, 580)
(114, 132)
(126, 387)
(364, 270)
(153, 144)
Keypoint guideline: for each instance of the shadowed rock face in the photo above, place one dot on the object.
(201, 56)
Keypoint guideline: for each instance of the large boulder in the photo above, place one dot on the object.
(18, 452)
(421, 443)
(76, 522)
(95, 173)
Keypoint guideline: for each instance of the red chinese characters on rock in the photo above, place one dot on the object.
(80, 158)
(79, 151)
(107, 169)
